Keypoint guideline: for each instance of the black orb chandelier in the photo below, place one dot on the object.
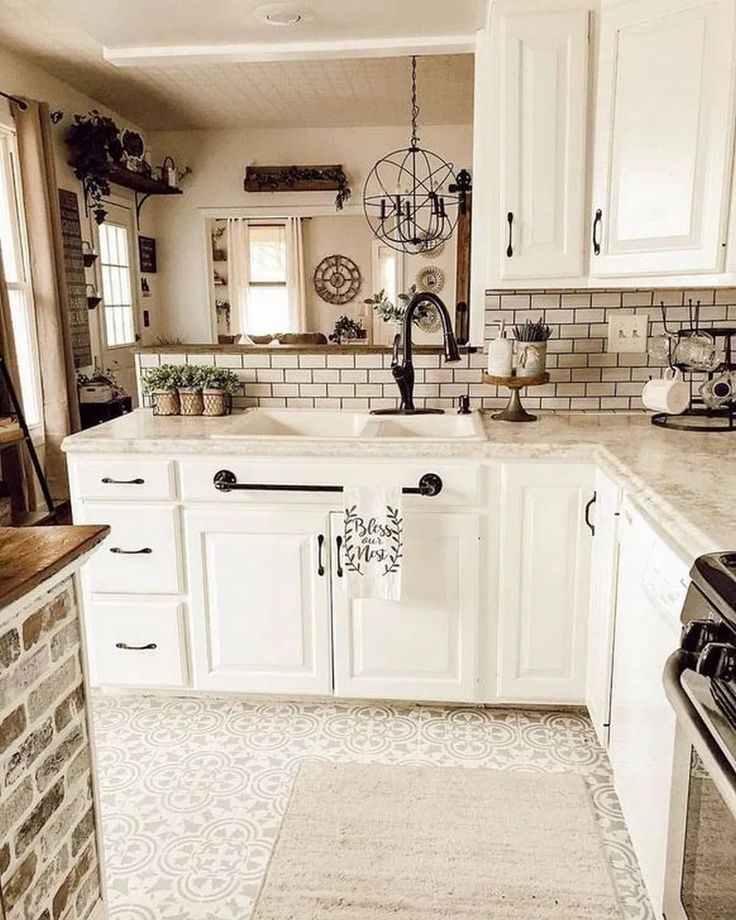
(410, 198)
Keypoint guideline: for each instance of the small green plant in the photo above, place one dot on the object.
(190, 377)
(537, 331)
(164, 379)
(219, 378)
(394, 313)
(346, 328)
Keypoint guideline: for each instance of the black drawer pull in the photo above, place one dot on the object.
(131, 552)
(510, 247)
(338, 544)
(589, 505)
(320, 547)
(596, 227)
(123, 482)
(136, 648)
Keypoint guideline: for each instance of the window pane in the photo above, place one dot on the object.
(268, 310)
(9, 226)
(117, 295)
(267, 253)
(20, 314)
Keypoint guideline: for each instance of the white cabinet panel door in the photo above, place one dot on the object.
(260, 600)
(424, 646)
(543, 582)
(543, 85)
(664, 136)
(603, 571)
(652, 582)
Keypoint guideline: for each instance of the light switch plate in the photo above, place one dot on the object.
(627, 332)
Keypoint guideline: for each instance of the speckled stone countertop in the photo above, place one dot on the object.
(686, 481)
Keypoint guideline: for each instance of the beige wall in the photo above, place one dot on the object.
(218, 159)
(23, 79)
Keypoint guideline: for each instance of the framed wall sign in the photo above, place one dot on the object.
(147, 254)
(74, 278)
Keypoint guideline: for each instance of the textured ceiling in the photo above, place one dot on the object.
(316, 93)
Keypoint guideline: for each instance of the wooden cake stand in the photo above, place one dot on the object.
(514, 411)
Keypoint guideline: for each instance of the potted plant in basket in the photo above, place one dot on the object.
(190, 389)
(219, 385)
(163, 383)
(531, 348)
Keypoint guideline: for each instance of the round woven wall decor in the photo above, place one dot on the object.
(431, 278)
(337, 279)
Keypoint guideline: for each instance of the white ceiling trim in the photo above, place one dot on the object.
(291, 51)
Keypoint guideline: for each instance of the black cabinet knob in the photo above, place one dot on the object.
(717, 660)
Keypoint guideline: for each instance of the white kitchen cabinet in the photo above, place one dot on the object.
(663, 137)
(652, 582)
(543, 84)
(530, 143)
(603, 571)
(543, 582)
(423, 647)
(260, 599)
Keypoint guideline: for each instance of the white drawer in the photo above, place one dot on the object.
(142, 554)
(137, 644)
(460, 479)
(134, 478)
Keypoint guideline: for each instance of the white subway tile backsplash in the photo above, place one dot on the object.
(583, 375)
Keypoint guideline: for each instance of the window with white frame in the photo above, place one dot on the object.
(14, 248)
(117, 293)
(268, 294)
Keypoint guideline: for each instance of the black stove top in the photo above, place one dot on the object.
(709, 627)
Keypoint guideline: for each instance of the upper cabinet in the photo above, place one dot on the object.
(663, 137)
(631, 184)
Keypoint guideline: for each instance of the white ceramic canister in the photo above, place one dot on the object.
(501, 354)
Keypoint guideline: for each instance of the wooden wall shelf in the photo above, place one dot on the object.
(143, 186)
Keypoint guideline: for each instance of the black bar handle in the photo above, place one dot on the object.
(123, 482)
(145, 551)
(136, 648)
(510, 247)
(338, 545)
(430, 484)
(596, 227)
(320, 546)
(588, 506)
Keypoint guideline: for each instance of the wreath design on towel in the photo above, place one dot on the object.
(372, 541)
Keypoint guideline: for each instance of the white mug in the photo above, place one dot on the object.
(669, 394)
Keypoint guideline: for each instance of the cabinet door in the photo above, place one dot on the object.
(424, 646)
(652, 581)
(603, 571)
(260, 600)
(543, 86)
(543, 582)
(664, 136)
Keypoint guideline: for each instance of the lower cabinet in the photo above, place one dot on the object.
(423, 647)
(271, 611)
(260, 599)
(543, 581)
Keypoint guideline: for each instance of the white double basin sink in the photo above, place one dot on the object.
(329, 425)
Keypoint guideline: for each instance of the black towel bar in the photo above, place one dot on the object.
(430, 485)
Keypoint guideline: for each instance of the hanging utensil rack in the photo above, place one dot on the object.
(700, 416)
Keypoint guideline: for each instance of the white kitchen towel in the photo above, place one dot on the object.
(374, 540)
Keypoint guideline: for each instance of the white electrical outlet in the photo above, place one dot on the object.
(628, 332)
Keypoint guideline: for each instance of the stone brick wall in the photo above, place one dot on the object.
(48, 858)
(583, 376)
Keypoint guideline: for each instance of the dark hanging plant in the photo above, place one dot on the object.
(94, 144)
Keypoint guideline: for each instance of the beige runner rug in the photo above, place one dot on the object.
(373, 842)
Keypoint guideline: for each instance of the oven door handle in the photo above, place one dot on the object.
(696, 731)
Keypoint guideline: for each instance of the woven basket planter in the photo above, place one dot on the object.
(216, 402)
(191, 401)
(165, 403)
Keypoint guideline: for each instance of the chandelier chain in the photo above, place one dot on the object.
(414, 103)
